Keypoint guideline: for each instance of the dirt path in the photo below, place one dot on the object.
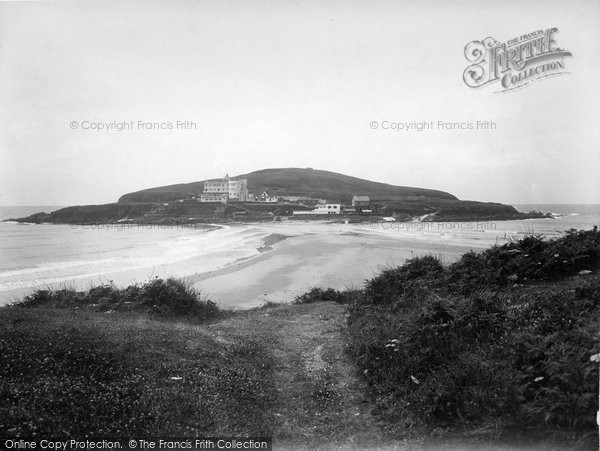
(320, 403)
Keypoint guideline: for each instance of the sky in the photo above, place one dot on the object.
(272, 84)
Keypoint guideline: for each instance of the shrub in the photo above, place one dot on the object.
(445, 344)
(110, 292)
(468, 274)
(320, 295)
(62, 298)
(389, 285)
(531, 258)
(556, 332)
(474, 352)
(170, 297)
(175, 297)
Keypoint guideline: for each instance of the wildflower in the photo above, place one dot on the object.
(392, 344)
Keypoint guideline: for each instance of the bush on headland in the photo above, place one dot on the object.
(531, 258)
(501, 337)
(165, 297)
(319, 295)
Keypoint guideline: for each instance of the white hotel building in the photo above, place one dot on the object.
(225, 190)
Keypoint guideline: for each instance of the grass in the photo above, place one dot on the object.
(319, 295)
(495, 347)
(165, 298)
(113, 361)
(80, 373)
(497, 344)
(73, 369)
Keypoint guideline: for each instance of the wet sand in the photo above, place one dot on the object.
(342, 260)
(244, 265)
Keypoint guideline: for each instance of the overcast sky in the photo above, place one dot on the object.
(290, 84)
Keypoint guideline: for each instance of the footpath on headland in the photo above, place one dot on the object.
(331, 370)
(320, 402)
(280, 370)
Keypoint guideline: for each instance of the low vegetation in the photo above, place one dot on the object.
(499, 340)
(279, 370)
(502, 344)
(127, 362)
(319, 295)
(167, 298)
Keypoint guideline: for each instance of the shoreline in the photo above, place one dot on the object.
(277, 261)
(341, 218)
(306, 261)
(328, 346)
(286, 263)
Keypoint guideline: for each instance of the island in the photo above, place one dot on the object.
(282, 194)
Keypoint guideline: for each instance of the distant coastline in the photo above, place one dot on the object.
(209, 214)
(313, 251)
(282, 194)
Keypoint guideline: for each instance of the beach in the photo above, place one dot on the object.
(319, 255)
(242, 265)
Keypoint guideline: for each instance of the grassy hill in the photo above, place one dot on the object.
(157, 205)
(294, 181)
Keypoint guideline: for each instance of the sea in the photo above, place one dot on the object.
(60, 255)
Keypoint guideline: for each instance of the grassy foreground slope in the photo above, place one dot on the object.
(495, 349)
(146, 361)
(502, 343)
